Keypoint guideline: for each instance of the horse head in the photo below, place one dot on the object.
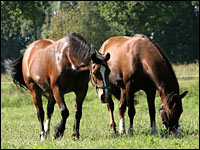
(170, 111)
(99, 72)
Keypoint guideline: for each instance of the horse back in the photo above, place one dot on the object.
(125, 53)
(138, 59)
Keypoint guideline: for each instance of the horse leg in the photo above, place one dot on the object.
(122, 109)
(110, 106)
(37, 100)
(151, 104)
(131, 107)
(80, 96)
(50, 109)
(60, 127)
(131, 114)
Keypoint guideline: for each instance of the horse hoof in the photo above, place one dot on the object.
(153, 131)
(59, 131)
(58, 134)
(130, 132)
(75, 137)
(113, 132)
(43, 137)
(122, 133)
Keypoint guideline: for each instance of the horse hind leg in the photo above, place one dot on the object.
(60, 127)
(131, 106)
(37, 100)
(50, 109)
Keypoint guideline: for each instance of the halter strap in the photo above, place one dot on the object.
(96, 85)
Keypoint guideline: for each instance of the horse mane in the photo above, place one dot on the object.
(82, 49)
(166, 60)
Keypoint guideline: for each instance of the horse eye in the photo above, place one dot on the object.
(97, 75)
(93, 67)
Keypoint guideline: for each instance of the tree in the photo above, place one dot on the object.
(180, 38)
(20, 25)
(29, 14)
(131, 17)
(174, 25)
(82, 17)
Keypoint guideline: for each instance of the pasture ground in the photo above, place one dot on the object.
(20, 127)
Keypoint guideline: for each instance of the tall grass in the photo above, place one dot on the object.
(20, 127)
(186, 69)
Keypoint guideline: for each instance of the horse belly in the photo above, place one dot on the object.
(73, 81)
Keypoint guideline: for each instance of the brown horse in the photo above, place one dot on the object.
(137, 63)
(57, 67)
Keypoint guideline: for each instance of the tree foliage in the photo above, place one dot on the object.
(174, 25)
(20, 24)
(180, 37)
(27, 15)
(81, 17)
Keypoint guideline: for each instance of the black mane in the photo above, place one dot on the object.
(82, 49)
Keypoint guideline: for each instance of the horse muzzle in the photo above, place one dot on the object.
(173, 129)
(104, 95)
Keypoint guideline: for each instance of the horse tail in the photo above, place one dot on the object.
(14, 68)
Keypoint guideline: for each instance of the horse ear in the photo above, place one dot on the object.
(95, 59)
(183, 94)
(107, 57)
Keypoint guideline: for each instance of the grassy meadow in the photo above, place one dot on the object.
(20, 127)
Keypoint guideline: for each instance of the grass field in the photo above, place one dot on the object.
(20, 127)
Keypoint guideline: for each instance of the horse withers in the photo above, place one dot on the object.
(57, 67)
(138, 63)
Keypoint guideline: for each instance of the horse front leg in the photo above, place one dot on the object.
(60, 127)
(80, 96)
(131, 107)
(151, 104)
(122, 109)
(110, 106)
(131, 114)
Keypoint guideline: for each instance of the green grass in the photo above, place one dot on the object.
(20, 127)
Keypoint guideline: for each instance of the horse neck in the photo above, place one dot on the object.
(163, 75)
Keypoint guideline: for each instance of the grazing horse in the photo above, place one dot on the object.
(57, 67)
(137, 63)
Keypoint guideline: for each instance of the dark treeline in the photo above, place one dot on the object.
(174, 25)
